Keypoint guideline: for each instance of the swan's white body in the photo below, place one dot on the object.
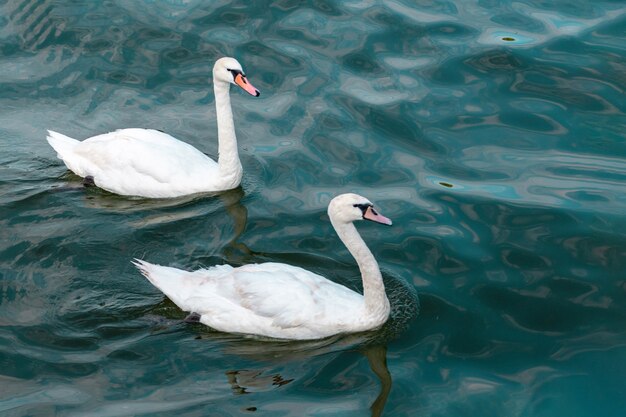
(283, 301)
(150, 163)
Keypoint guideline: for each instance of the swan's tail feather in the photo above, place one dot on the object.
(191, 291)
(154, 273)
(62, 144)
(169, 280)
(142, 266)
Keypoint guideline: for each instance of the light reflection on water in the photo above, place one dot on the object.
(490, 132)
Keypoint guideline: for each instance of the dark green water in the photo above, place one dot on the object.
(491, 132)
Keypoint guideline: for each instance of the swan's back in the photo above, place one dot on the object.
(273, 299)
(142, 162)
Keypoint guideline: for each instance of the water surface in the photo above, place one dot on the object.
(491, 132)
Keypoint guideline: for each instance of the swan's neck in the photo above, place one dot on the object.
(376, 301)
(228, 157)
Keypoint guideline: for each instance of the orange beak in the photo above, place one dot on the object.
(242, 82)
(373, 215)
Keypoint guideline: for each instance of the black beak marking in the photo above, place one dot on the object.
(236, 72)
(364, 207)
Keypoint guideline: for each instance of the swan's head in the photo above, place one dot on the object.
(228, 70)
(346, 208)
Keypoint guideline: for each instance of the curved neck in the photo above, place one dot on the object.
(373, 288)
(228, 156)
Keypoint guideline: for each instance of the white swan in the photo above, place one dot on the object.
(283, 301)
(150, 163)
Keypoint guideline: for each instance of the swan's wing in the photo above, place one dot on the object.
(143, 152)
(290, 296)
(269, 296)
(141, 162)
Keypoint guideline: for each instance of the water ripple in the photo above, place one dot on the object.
(490, 132)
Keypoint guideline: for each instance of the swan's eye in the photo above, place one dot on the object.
(363, 207)
(235, 72)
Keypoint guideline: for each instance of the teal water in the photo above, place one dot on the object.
(491, 132)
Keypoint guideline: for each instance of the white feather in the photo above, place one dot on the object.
(279, 300)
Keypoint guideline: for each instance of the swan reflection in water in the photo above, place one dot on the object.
(262, 378)
(246, 381)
